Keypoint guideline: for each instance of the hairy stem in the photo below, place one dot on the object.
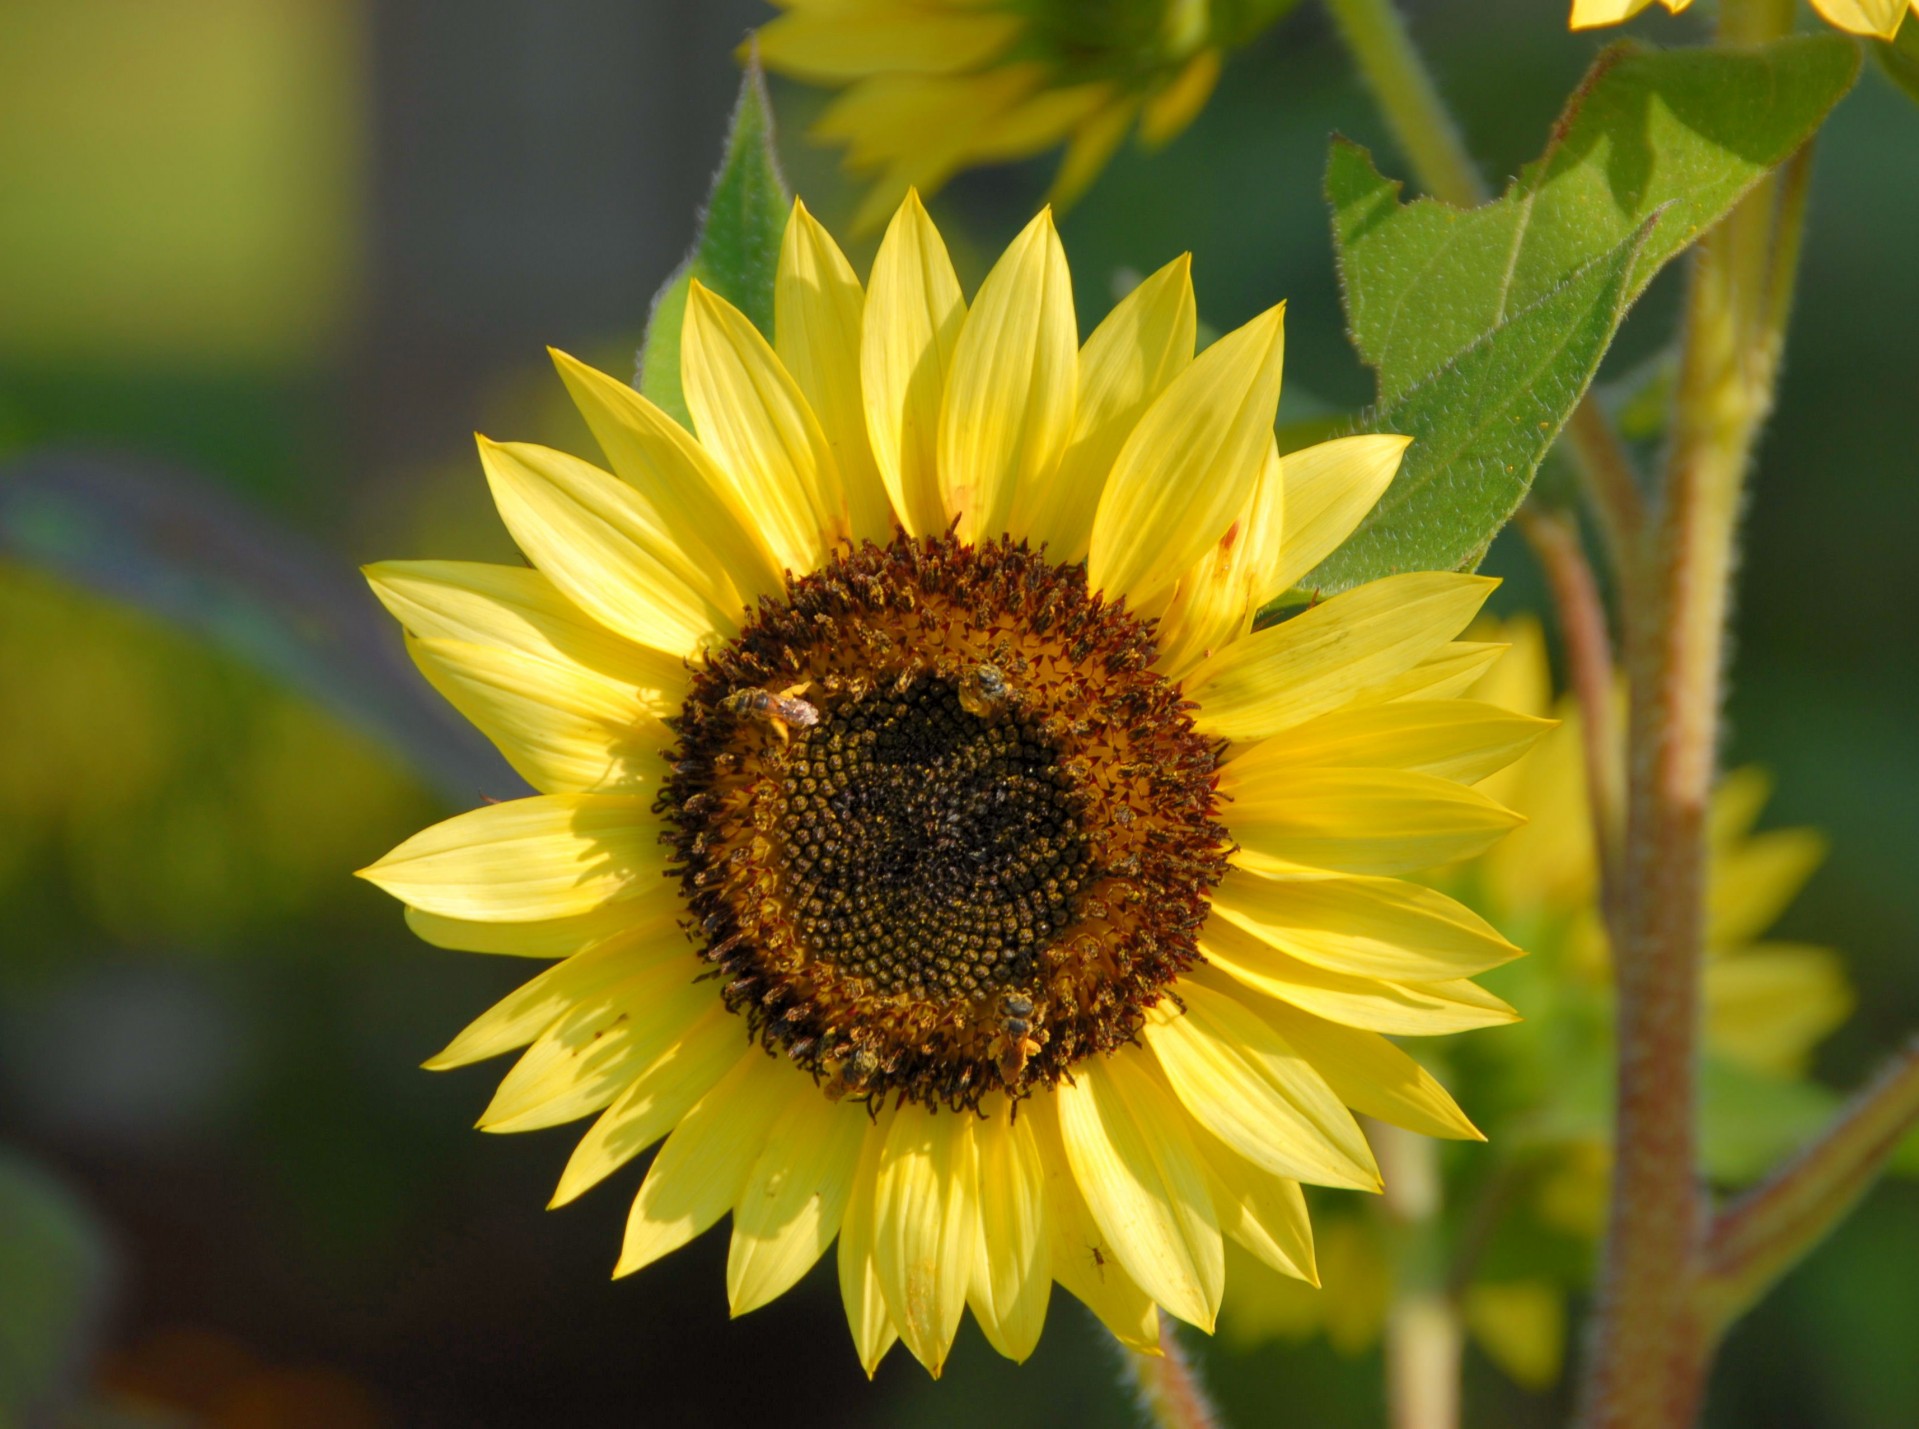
(1651, 1347)
(1169, 1387)
(1767, 1231)
(1554, 538)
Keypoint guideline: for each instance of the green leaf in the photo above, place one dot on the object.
(1655, 147)
(1899, 58)
(1480, 427)
(53, 1288)
(737, 252)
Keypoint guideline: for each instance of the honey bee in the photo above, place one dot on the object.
(1014, 1044)
(853, 1075)
(782, 711)
(983, 690)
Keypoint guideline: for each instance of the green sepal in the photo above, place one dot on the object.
(737, 252)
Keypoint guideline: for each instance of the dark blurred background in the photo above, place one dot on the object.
(275, 260)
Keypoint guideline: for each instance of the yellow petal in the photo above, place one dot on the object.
(698, 1174)
(1008, 406)
(1039, 121)
(839, 45)
(1329, 488)
(1242, 1083)
(1093, 144)
(912, 325)
(565, 729)
(753, 417)
(925, 1227)
(1594, 14)
(1324, 657)
(606, 550)
(1452, 670)
(1768, 1006)
(1373, 1076)
(590, 1055)
(1214, 602)
(1521, 1325)
(536, 1005)
(1751, 883)
(1737, 802)
(1521, 680)
(1364, 927)
(1012, 1261)
(1400, 1009)
(1360, 820)
(1462, 740)
(1145, 342)
(795, 1196)
(552, 938)
(866, 1315)
(1126, 1141)
(1190, 465)
(654, 1101)
(659, 458)
(1878, 18)
(1265, 1214)
(549, 856)
(1167, 113)
(1083, 1260)
(818, 310)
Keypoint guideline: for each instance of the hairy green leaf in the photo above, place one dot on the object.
(1485, 325)
(1480, 427)
(1673, 136)
(737, 252)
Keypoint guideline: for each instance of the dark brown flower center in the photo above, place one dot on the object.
(944, 829)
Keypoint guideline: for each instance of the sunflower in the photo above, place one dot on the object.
(1767, 1005)
(936, 86)
(1878, 18)
(933, 853)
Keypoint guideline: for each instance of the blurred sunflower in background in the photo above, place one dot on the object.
(932, 852)
(1526, 1214)
(1877, 18)
(935, 86)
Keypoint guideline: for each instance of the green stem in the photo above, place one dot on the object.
(1169, 1387)
(1555, 540)
(1422, 125)
(1652, 1344)
(1767, 1231)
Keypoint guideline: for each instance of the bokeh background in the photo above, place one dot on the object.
(264, 264)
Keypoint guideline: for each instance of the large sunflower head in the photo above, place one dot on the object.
(1528, 1213)
(936, 86)
(932, 852)
(1878, 18)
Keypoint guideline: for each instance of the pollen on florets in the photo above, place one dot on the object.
(944, 830)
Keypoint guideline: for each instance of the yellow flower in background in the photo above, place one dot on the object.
(935, 86)
(1879, 18)
(1767, 1005)
(903, 874)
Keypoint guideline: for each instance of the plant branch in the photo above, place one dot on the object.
(1651, 1345)
(1554, 538)
(1169, 1387)
(1762, 1235)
